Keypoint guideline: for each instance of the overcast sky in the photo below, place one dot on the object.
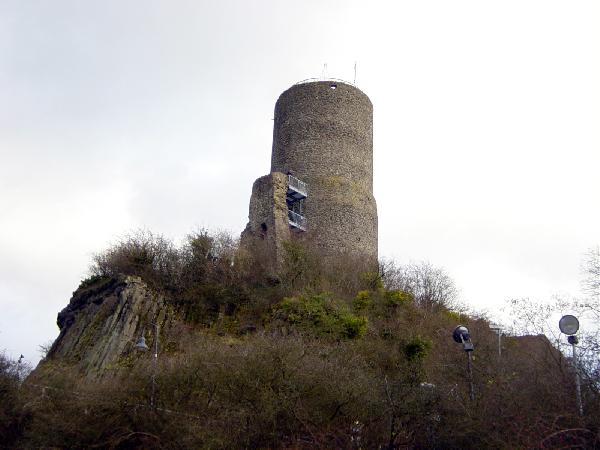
(116, 115)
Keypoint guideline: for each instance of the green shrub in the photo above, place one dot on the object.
(352, 326)
(417, 348)
(397, 297)
(362, 301)
(320, 315)
(372, 280)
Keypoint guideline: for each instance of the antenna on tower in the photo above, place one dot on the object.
(354, 82)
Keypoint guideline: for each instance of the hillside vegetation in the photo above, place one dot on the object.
(323, 355)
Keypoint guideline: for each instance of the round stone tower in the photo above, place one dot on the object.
(323, 136)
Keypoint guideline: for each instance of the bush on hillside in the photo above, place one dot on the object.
(273, 391)
(151, 257)
(370, 364)
(12, 416)
(202, 277)
(320, 315)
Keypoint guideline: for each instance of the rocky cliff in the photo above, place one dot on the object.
(103, 321)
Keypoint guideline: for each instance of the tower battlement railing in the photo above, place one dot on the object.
(333, 80)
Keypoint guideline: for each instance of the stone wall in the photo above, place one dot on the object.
(268, 226)
(323, 132)
(323, 135)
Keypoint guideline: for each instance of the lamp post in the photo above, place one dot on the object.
(461, 335)
(569, 325)
(19, 367)
(141, 345)
(498, 330)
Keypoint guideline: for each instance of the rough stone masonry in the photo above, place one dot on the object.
(323, 137)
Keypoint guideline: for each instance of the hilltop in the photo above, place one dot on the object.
(319, 356)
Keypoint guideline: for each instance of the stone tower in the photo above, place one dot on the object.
(320, 188)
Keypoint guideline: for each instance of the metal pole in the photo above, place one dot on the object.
(577, 382)
(154, 364)
(470, 371)
(498, 330)
(499, 343)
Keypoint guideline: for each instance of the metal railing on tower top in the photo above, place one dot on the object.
(333, 80)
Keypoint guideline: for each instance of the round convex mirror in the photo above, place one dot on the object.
(568, 324)
(460, 331)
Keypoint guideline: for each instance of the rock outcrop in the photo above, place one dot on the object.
(103, 321)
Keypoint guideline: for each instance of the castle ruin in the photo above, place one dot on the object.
(320, 188)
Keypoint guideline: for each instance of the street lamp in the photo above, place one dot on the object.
(569, 325)
(462, 336)
(141, 345)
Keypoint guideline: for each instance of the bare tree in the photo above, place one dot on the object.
(429, 285)
(589, 313)
(591, 275)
